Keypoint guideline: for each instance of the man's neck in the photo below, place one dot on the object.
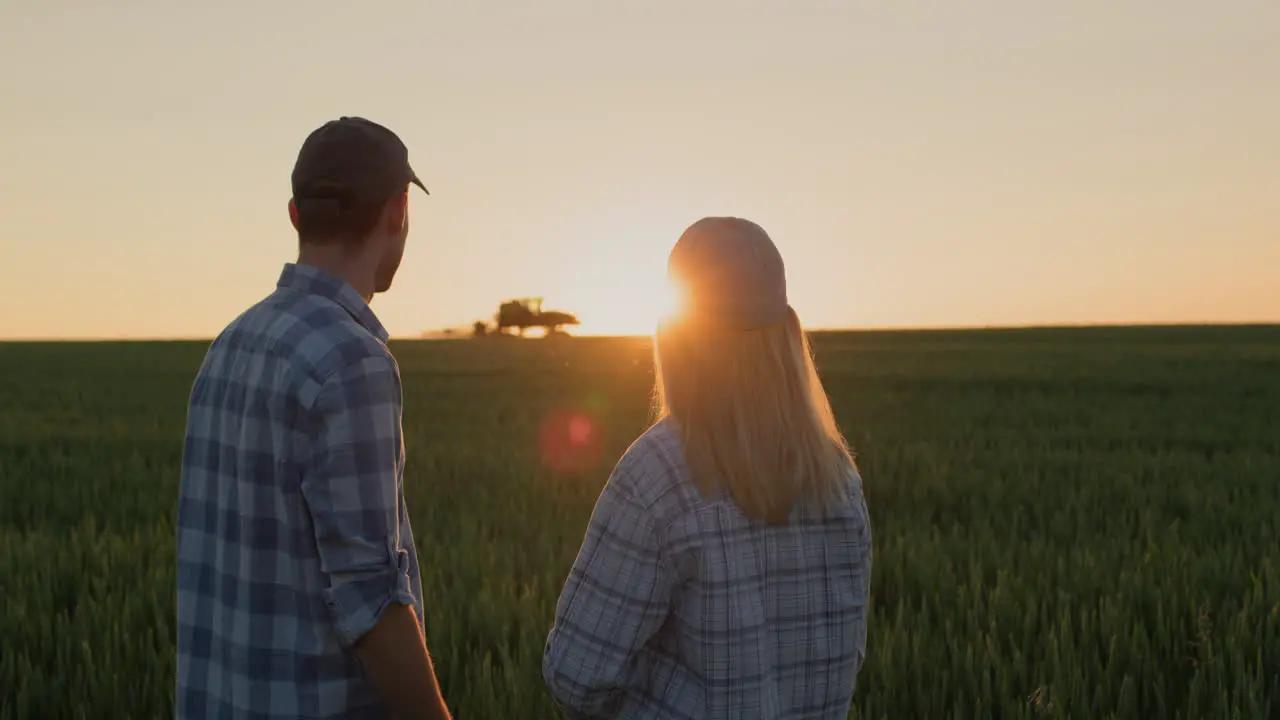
(340, 263)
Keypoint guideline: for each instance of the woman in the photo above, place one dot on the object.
(725, 571)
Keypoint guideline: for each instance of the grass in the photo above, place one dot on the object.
(1069, 523)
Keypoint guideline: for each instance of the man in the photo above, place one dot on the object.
(298, 591)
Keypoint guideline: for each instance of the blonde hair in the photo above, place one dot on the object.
(753, 416)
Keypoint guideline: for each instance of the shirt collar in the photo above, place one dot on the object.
(313, 280)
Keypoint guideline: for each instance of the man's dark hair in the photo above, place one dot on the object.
(326, 220)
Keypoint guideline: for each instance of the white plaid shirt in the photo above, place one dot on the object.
(292, 532)
(681, 608)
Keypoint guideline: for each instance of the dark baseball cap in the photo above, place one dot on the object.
(351, 161)
(731, 272)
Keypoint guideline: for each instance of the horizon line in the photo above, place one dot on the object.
(440, 335)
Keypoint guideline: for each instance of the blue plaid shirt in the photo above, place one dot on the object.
(679, 607)
(292, 532)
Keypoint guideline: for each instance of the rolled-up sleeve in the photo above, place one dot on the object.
(615, 598)
(353, 493)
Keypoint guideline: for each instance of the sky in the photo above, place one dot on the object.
(919, 164)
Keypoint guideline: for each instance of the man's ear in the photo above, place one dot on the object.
(393, 214)
(293, 214)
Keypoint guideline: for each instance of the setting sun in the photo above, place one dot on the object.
(619, 286)
(632, 307)
(668, 301)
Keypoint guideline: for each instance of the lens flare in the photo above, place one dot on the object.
(580, 431)
(570, 441)
(597, 404)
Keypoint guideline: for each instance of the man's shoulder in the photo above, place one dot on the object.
(323, 336)
(311, 337)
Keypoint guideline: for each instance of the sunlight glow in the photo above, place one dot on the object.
(615, 282)
(670, 301)
(633, 306)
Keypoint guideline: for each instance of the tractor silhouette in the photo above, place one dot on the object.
(525, 313)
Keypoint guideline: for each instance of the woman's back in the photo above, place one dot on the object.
(701, 612)
(772, 618)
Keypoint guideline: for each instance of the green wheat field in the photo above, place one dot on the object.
(1068, 523)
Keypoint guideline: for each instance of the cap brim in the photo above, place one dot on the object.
(413, 178)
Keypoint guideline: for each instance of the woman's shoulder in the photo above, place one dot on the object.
(652, 467)
(661, 439)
